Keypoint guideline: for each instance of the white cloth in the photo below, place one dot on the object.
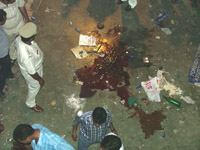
(30, 60)
(14, 17)
(122, 147)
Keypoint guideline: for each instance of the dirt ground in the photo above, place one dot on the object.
(173, 53)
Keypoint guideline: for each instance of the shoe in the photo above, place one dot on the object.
(10, 76)
(128, 8)
(37, 108)
(5, 88)
(2, 95)
(12, 61)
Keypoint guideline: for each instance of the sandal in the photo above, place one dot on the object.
(2, 95)
(12, 61)
(1, 127)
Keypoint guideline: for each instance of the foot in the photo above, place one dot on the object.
(10, 76)
(128, 8)
(37, 108)
(1, 128)
(2, 95)
(5, 88)
(12, 61)
(119, 2)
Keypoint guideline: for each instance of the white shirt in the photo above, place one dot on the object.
(122, 147)
(29, 57)
(14, 17)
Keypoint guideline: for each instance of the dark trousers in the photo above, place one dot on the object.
(5, 71)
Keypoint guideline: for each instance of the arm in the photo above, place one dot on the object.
(24, 14)
(112, 128)
(75, 125)
(74, 133)
(38, 78)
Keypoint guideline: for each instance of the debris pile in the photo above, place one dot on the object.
(108, 72)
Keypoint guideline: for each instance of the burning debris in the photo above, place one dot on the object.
(107, 72)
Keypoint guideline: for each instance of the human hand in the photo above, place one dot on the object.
(114, 131)
(41, 82)
(74, 136)
(26, 20)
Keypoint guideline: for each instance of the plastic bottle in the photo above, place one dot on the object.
(173, 101)
(162, 17)
(129, 55)
(77, 30)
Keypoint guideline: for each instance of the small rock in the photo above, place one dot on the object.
(181, 122)
(175, 131)
(157, 37)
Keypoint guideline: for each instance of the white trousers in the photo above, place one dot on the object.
(33, 86)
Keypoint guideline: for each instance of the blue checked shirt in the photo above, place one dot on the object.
(49, 140)
(89, 130)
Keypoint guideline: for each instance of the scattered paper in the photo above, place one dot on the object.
(165, 85)
(187, 99)
(85, 40)
(152, 89)
(79, 52)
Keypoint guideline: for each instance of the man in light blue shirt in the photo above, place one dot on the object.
(40, 138)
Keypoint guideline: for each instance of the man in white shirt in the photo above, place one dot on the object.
(30, 60)
(16, 15)
(111, 142)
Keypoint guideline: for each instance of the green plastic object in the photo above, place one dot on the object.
(173, 101)
(131, 101)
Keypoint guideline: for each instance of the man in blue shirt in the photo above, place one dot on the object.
(94, 126)
(5, 66)
(40, 138)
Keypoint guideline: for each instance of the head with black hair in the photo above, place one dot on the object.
(28, 40)
(9, 1)
(2, 17)
(111, 142)
(23, 133)
(99, 116)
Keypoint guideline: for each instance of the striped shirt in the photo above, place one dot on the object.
(49, 140)
(89, 130)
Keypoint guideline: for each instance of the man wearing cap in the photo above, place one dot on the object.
(30, 60)
(16, 14)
